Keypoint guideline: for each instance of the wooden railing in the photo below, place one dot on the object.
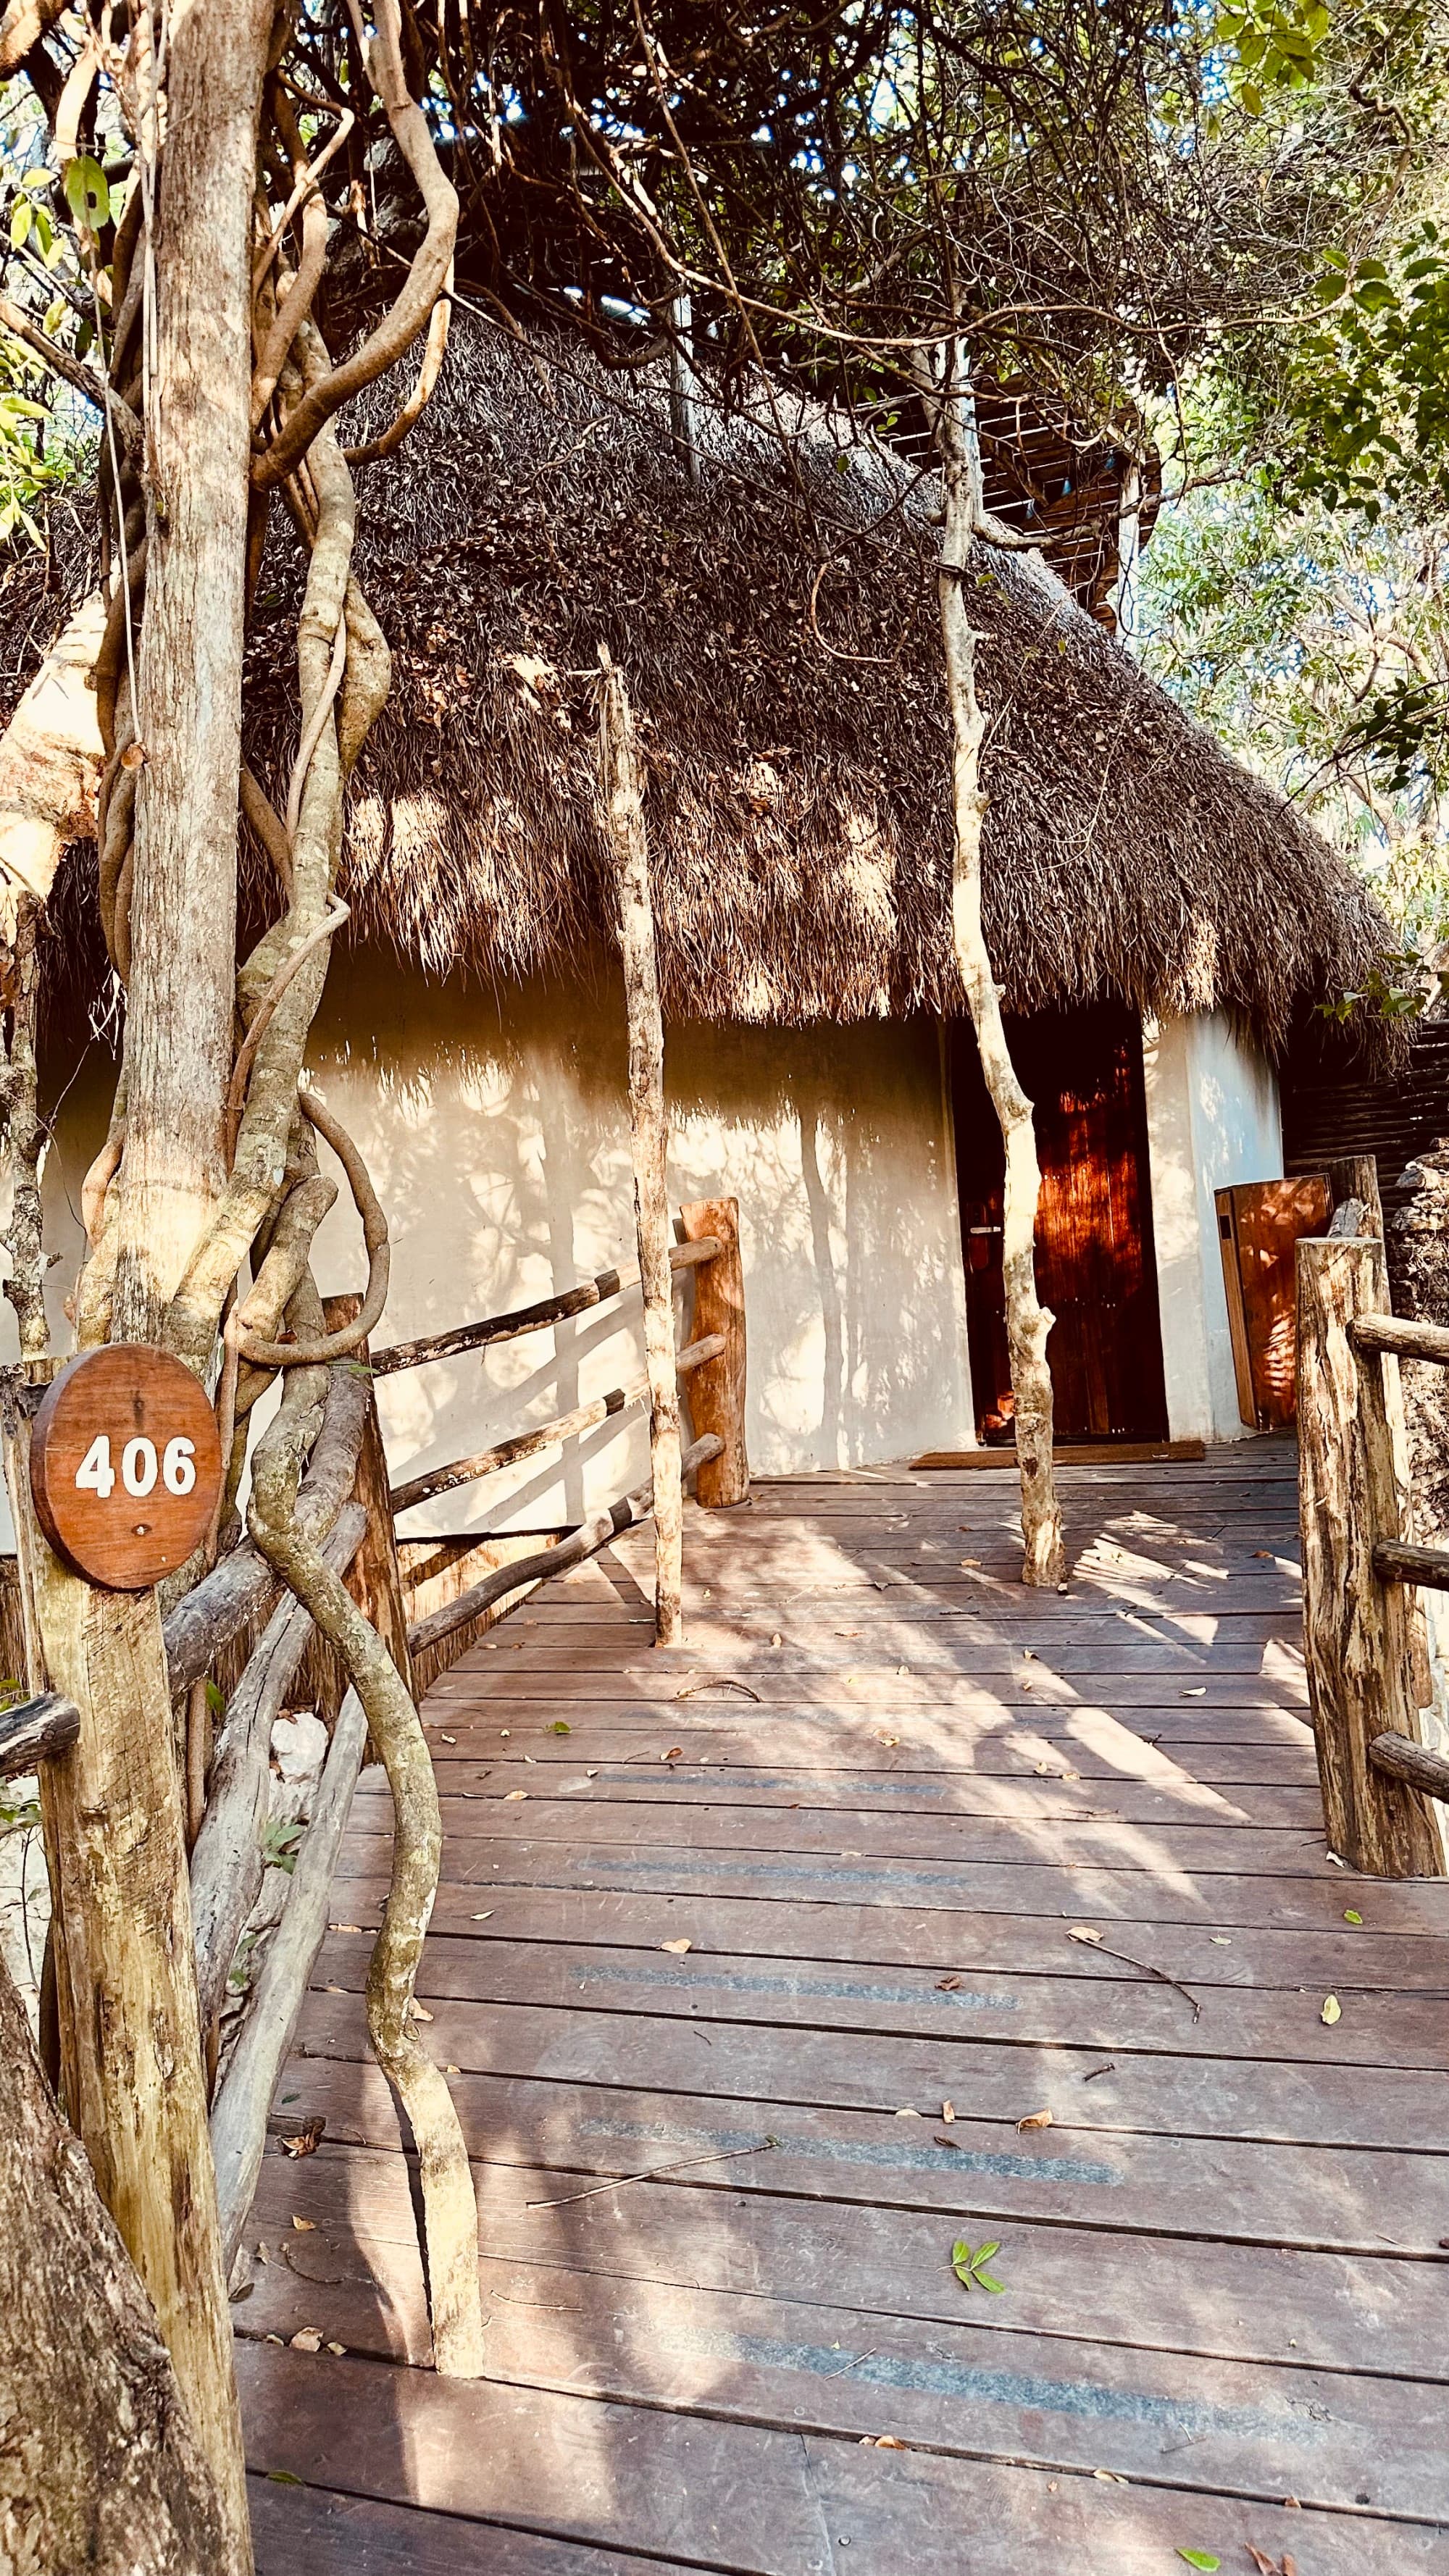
(1368, 1674)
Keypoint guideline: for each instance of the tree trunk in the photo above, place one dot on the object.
(649, 1137)
(99, 2466)
(126, 1980)
(1028, 1322)
(182, 992)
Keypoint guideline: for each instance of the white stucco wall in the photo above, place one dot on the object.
(498, 1141)
(1212, 1120)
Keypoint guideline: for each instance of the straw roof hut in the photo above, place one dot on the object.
(777, 626)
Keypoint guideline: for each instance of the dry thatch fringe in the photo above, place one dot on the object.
(797, 800)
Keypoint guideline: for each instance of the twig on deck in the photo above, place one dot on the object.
(647, 2173)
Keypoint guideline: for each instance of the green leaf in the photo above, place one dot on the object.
(87, 193)
(1252, 98)
(20, 215)
(560, 1726)
(1199, 2558)
(284, 2478)
(215, 1699)
(961, 2252)
(984, 2253)
(984, 2281)
(1349, 1915)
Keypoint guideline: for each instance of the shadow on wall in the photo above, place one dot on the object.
(497, 1134)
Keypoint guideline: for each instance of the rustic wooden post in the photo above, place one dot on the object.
(717, 1390)
(374, 1578)
(130, 2050)
(1356, 1176)
(649, 1136)
(1357, 1629)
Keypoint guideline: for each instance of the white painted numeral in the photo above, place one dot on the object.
(95, 1474)
(138, 1466)
(178, 1467)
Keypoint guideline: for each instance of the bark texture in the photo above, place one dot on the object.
(649, 1137)
(182, 921)
(99, 2467)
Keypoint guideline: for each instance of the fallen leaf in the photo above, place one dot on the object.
(448, 1739)
(510, 1794)
(591, 1775)
(674, 1754)
(1036, 2120)
(1083, 1932)
(1199, 2558)
(1349, 1915)
(484, 1918)
(908, 2114)
(883, 2442)
(888, 1739)
(775, 1640)
(677, 1948)
(306, 2141)
(307, 2339)
(452, 2070)
(1109, 2477)
(1199, 1692)
(971, 1560)
(1220, 1940)
(1337, 1863)
(305, 2226)
(947, 1985)
(560, 1726)
(903, 1672)
(418, 2011)
(948, 2112)
(1263, 1551)
(1332, 2010)
(344, 1927)
(337, 2347)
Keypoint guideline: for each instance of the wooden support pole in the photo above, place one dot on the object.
(649, 1136)
(1357, 1631)
(1356, 1176)
(717, 1395)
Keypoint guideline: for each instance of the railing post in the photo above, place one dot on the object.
(717, 1390)
(1357, 1629)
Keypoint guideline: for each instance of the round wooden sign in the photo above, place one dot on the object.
(125, 1465)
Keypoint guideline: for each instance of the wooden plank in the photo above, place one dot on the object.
(1349, 1961)
(990, 2390)
(296, 2527)
(1100, 1896)
(1242, 1850)
(975, 1720)
(926, 1750)
(745, 2496)
(1262, 2192)
(1209, 2097)
(1140, 2014)
(1054, 1795)
(1092, 2282)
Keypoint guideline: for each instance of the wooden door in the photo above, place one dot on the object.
(1095, 1264)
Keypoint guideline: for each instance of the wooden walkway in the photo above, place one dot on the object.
(891, 1835)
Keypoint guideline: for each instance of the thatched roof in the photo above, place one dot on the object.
(797, 787)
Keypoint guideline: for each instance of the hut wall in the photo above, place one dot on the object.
(497, 1136)
(1212, 1120)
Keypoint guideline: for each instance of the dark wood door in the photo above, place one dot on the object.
(1095, 1264)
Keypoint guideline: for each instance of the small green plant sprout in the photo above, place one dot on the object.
(281, 1841)
(215, 1700)
(968, 2266)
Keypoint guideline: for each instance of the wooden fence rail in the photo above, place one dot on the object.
(1367, 1672)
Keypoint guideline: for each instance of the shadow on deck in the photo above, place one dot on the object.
(821, 1915)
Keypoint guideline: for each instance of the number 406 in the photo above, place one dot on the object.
(96, 1475)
